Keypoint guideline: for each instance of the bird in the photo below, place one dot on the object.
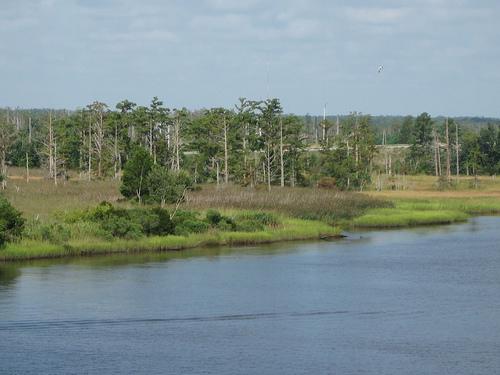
(380, 68)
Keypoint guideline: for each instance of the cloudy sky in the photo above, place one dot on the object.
(439, 56)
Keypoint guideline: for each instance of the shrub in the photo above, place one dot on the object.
(154, 221)
(165, 224)
(165, 186)
(11, 222)
(263, 218)
(118, 226)
(135, 172)
(226, 224)
(54, 233)
(213, 217)
(249, 226)
(191, 226)
(182, 215)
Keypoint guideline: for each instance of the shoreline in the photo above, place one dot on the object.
(405, 213)
(292, 230)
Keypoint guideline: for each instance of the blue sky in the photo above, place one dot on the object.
(439, 56)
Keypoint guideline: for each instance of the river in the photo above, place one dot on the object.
(416, 301)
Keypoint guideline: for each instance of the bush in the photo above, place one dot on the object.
(165, 224)
(165, 186)
(249, 226)
(263, 218)
(135, 173)
(213, 217)
(226, 224)
(54, 233)
(11, 222)
(155, 221)
(123, 227)
(191, 226)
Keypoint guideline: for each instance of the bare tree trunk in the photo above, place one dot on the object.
(448, 153)
(436, 168)
(177, 141)
(218, 172)
(268, 168)
(226, 169)
(316, 130)
(27, 154)
(116, 152)
(4, 169)
(27, 168)
(55, 162)
(439, 160)
(90, 150)
(150, 138)
(282, 164)
(457, 149)
(50, 147)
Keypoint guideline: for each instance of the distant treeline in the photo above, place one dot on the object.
(253, 143)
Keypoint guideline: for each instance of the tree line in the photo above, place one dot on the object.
(253, 143)
(444, 147)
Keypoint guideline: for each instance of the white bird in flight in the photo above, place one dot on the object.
(380, 68)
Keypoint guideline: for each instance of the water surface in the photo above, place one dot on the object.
(420, 301)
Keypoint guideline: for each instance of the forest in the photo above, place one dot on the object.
(253, 143)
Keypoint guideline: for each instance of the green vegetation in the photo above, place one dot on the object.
(11, 222)
(389, 217)
(289, 229)
(415, 211)
(176, 178)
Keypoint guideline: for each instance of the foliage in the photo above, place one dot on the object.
(135, 173)
(165, 186)
(11, 222)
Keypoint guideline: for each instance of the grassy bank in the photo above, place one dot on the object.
(304, 213)
(427, 211)
(289, 230)
(397, 218)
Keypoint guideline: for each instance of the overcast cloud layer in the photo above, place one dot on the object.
(440, 56)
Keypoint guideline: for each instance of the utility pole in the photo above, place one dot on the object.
(324, 122)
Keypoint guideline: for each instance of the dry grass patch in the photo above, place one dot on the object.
(306, 203)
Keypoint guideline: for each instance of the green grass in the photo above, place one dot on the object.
(304, 213)
(428, 211)
(396, 218)
(291, 229)
(472, 206)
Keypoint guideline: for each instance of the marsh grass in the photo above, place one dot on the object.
(306, 203)
(291, 229)
(41, 199)
(395, 217)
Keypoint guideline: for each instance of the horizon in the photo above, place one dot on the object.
(112, 108)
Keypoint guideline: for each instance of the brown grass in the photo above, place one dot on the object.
(309, 203)
(426, 187)
(41, 198)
